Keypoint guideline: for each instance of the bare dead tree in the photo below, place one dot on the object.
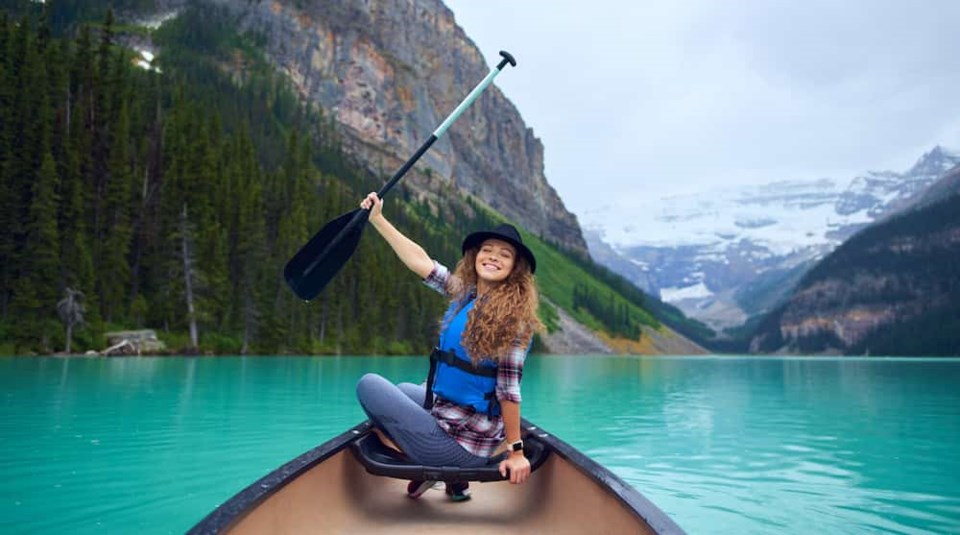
(188, 276)
(71, 309)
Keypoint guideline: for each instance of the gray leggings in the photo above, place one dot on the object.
(398, 411)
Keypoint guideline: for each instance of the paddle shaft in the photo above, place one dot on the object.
(361, 216)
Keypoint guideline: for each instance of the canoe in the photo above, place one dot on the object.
(353, 484)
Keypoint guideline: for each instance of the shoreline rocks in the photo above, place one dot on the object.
(140, 342)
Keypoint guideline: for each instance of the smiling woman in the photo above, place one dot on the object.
(468, 412)
(494, 260)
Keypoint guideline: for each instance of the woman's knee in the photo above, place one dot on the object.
(368, 383)
(371, 389)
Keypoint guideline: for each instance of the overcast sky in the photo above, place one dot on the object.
(655, 98)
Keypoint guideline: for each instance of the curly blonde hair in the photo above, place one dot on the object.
(504, 317)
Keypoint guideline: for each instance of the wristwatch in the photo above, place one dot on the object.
(516, 446)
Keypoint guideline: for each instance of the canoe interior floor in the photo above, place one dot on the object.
(339, 496)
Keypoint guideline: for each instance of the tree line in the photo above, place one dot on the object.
(613, 314)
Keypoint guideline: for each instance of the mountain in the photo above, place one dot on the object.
(892, 289)
(388, 73)
(726, 255)
(948, 185)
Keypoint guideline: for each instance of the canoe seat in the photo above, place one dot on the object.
(380, 460)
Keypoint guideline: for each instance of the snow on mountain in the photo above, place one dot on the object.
(712, 245)
(698, 290)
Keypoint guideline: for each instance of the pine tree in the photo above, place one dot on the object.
(249, 242)
(147, 214)
(37, 290)
(77, 180)
(33, 183)
(206, 186)
(292, 228)
(8, 208)
(26, 131)
(104, 88)
(167, 261)
(114, 269)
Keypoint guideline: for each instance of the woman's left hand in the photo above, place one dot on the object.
(374, 204)
(518, 466)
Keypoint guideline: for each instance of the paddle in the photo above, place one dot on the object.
(309, 271)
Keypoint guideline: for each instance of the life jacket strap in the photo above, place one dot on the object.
(428, 398)
(451, 359)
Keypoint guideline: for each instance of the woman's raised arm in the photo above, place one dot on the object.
(407, 250)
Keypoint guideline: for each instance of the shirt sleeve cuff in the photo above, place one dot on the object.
(437, 279)
(504, 395)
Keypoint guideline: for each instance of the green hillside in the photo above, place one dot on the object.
(148, 189)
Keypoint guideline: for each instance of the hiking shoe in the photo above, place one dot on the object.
(415, 489)
(458, 492)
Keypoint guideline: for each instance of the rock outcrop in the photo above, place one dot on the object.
(142, 342)
(388, 73)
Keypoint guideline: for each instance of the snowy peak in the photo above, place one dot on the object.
(879, 193)
(721, 249)
(934, 163)
(869, 192)
(782, 215)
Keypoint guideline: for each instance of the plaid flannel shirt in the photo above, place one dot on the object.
(475, 431)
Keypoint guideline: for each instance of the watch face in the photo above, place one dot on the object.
(517, 446)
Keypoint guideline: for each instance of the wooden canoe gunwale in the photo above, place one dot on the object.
(233, 510)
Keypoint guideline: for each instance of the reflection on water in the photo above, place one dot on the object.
(721, 444)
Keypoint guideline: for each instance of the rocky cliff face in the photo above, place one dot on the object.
(389, 72)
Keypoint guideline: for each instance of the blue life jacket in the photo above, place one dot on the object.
(453, 376)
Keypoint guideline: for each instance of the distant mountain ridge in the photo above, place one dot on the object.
(728, 255)
(892, 289)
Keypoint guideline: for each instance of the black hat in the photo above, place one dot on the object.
(507, 233)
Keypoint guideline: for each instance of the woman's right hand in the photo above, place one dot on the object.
(374, 204)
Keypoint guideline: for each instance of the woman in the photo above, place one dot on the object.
(484, 339)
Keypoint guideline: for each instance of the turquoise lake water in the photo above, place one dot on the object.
(721, 444)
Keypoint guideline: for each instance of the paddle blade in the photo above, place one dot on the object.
(309, 271)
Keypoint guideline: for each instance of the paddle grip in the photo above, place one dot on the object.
(487, 80)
